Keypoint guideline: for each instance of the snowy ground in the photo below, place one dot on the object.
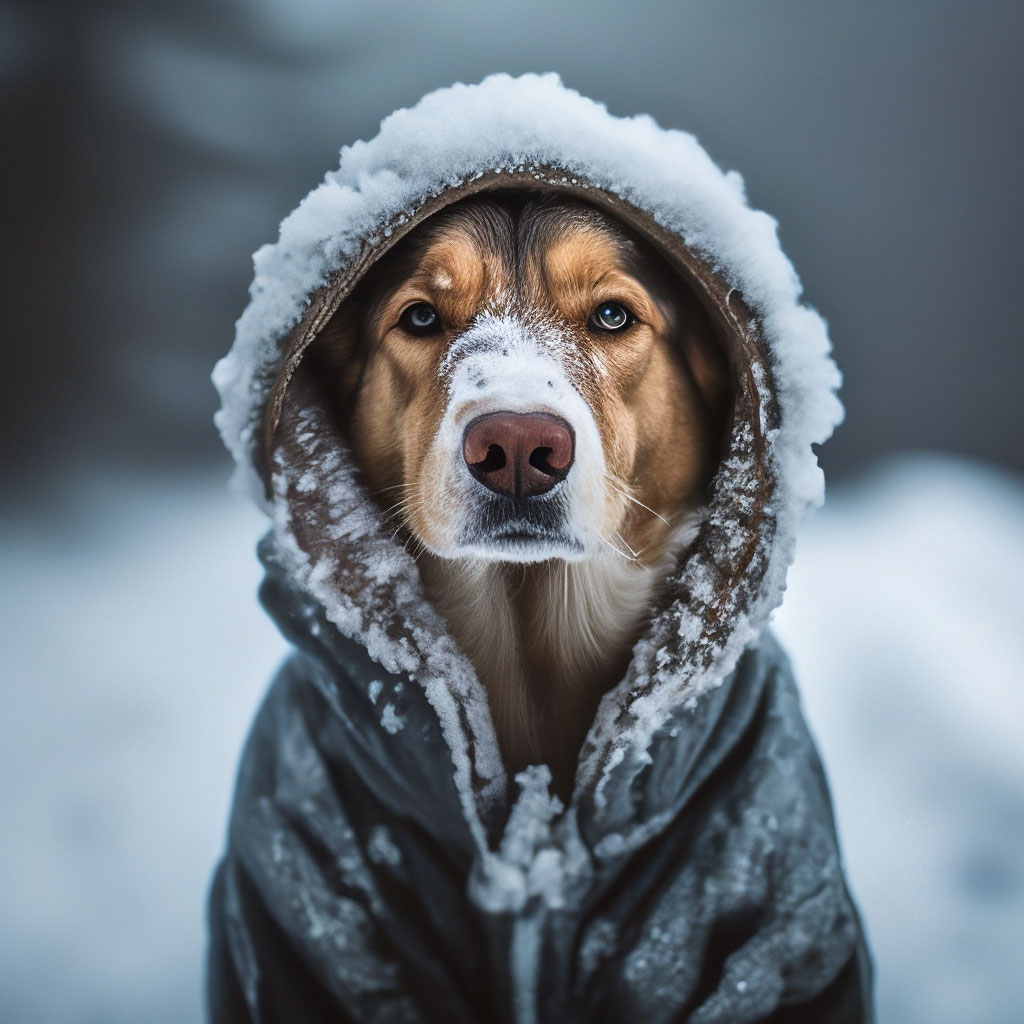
(904, 619)
(134, 653)
(134, 656)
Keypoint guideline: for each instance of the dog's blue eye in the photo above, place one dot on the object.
(420, 318)
(610, 316)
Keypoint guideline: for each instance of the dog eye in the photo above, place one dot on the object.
(420, 318)
(610, 316)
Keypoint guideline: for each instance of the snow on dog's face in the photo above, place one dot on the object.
(524, 379)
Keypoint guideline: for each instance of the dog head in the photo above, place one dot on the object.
(522, 378)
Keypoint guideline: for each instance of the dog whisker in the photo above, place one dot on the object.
(629, 497)
(635, 554)
(402, 521)
(402, 511)
(616, 550)
(390, 513)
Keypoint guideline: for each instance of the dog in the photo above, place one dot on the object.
(545, 486)
(529, 395)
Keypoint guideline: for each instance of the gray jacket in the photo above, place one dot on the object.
(380, 865)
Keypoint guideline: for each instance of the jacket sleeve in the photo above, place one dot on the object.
(237, 990)
(225, 1002)
(847, 1000)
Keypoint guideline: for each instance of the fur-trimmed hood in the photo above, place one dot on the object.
(401, 718)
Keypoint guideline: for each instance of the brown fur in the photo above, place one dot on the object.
(547, 638)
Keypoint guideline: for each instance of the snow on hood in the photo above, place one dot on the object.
(533, 132)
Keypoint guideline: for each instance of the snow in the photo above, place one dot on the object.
(391, 720)
(135, 655)
(541, 856)
(381, 847)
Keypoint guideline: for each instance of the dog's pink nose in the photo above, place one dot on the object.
(519, 454)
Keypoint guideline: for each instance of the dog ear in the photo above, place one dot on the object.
(701, 351)
(704, 357)
(336, 361)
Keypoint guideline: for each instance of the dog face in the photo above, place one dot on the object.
(524, 379)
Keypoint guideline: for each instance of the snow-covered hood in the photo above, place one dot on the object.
(533, 132)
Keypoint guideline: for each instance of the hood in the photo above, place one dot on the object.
(533, 132)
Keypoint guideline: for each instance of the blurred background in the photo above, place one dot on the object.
(150, 148)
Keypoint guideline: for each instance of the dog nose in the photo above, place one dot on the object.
(518, 454)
